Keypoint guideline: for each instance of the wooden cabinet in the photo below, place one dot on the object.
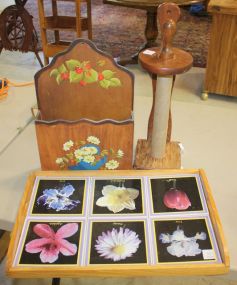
(221, 73)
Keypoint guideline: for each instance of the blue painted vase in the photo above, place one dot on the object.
(82, 165)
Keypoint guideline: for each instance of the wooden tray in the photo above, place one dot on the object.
(143, 218)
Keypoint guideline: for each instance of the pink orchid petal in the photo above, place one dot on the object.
(49, 255)
(37, 245)
(44, 231)
(66, 248)
(66, 230)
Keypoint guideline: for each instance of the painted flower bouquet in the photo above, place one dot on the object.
(87, 155)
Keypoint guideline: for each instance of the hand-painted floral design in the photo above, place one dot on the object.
(181, 245)
(117, 244)
(117, 199)
(58, 199)
(50, 244)
(87, 155)
(68, 145)
(81, 72)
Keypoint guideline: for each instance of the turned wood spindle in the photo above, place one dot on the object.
(163, 65)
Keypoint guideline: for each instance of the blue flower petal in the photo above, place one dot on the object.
(51, 193)
(42, 200)
(67, 190)
(57, 205)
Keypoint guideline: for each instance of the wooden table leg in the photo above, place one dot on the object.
(151, 34)
(56, 281)
(151, 30)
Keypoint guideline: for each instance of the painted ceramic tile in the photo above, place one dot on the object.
(51, 243)
(88, 155)
(175, 195)
(59, 197)
(118, 243)
(118, 196)
(183, 241)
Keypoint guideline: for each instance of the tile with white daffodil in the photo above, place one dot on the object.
(58, 197)
(50, 243)
(118, 242)
(118, 196)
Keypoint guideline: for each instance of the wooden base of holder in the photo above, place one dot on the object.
(143, 159)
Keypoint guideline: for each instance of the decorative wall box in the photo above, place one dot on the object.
(117, 223)
(85, 103)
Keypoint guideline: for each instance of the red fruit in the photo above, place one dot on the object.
(65, 76)
(78, 70)
(82, 83)
(100, 76)
(88, 66)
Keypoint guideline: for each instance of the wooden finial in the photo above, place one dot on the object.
(168, 15)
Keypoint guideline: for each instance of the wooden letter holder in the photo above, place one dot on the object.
(85, 103)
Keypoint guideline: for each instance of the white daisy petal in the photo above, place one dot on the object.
(120, 244)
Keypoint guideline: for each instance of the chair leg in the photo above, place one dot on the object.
(42, 29)
(78, 18)
(89, 19)
(55, 15)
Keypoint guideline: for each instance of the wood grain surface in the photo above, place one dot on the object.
(71, 101)
(221, 72)
(144, 160)
(223, 6)
(115, 135)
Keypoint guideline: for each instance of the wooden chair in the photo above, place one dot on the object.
(57, 23)
(84, 99)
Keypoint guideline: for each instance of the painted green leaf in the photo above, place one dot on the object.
(69, 155)
(72, 64)
(84, 63)
(101, 62)
(108, 74)
(75, 77)
(90, 76)
(62, 69)
(114, 82)
(105, 83)
(59, 78)
(65, 160)
(54, 72)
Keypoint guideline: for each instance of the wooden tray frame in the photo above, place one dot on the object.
(118, 270)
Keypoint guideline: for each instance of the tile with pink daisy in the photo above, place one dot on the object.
(118, 196)
(118, 242)
(50, 243)
(58, 197)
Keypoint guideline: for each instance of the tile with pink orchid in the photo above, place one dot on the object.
(50, 243)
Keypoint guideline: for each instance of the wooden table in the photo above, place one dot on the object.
(151, 29)
(221, 75)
